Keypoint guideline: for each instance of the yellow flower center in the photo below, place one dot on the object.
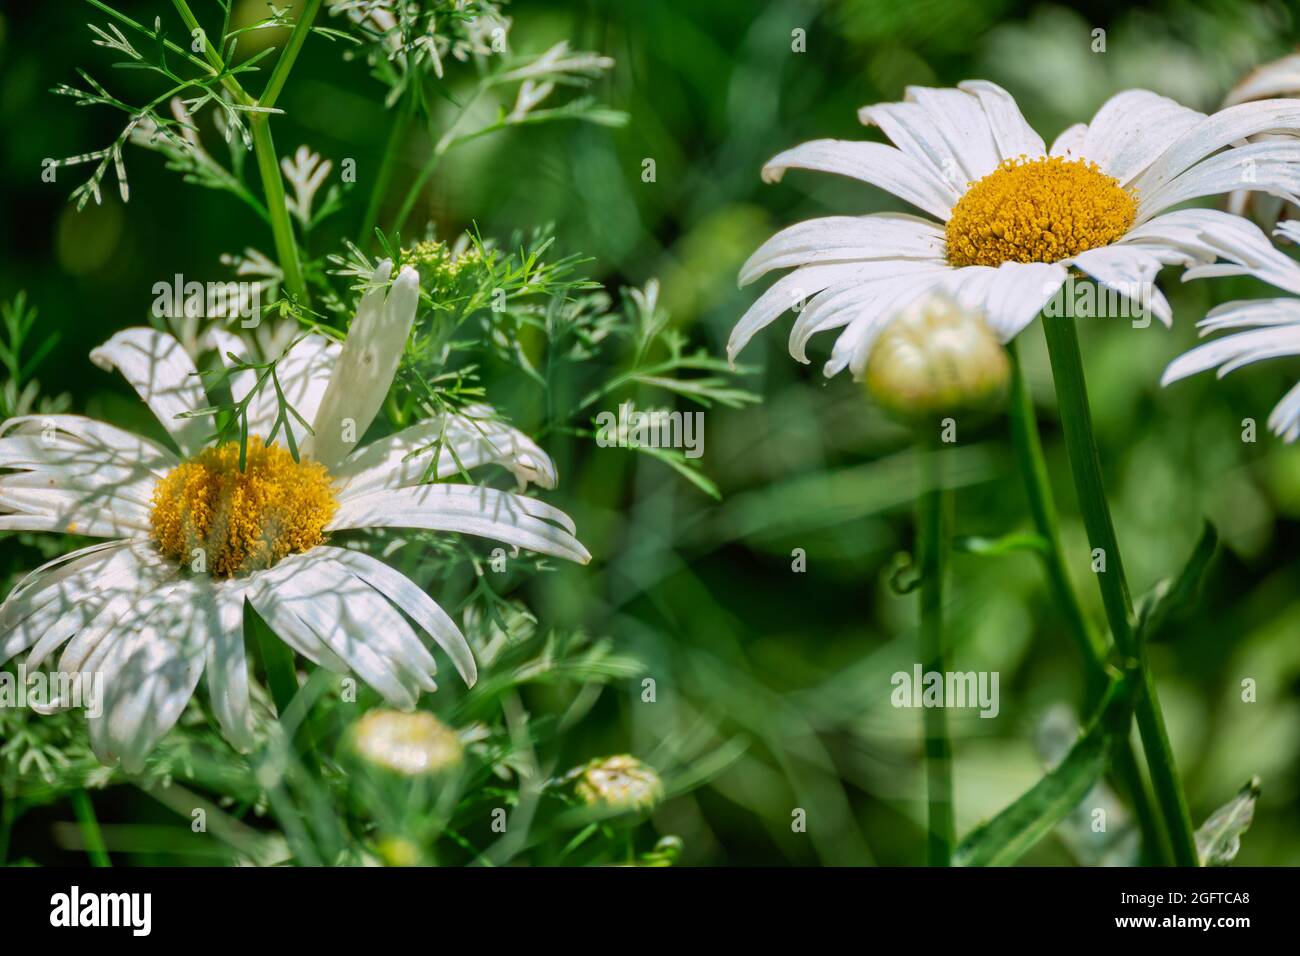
(1039, 210)
(217, 519)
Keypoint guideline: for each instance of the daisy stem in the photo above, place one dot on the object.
(1076, 422)
(85, 811)
(1092, 646)
(931, 540)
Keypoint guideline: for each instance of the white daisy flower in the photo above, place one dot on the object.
(193, 536)
(1010, 217)
(1272, 325)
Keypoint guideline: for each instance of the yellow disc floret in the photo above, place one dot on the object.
(214, 517)
(1039, 210)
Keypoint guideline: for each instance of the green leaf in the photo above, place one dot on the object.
(1013, 832)
(1164, 603)
(678, 462)
(1219, 838)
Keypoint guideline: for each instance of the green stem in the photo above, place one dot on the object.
(444, 143)
(1092, 646)
(85, 811)
(396, 136)
(1076, 422)
(268, 164)
(280, 72)
(286, 246)
(932, 536)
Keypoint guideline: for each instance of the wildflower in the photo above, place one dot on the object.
(193, 536)
(1011, 217)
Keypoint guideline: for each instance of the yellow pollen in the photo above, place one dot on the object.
(1039, 210)
(211, 516)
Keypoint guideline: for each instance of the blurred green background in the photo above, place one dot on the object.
(794, 666)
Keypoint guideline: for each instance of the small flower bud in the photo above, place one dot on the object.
(409, 744)
(618, 783)
(937, 358)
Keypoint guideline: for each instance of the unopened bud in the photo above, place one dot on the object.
(618, 783)
(408, 744)
(937, 358)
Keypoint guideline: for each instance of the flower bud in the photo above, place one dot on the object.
(409, 744)
(937, 358)
(618, 783)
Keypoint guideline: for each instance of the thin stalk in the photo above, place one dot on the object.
(396, 136)
(931, 542)
(444, 143)
(280, 72)
(268, 164)
(1092, 646)
(1085, 463)
(85, 811)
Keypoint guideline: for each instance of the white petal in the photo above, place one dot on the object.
(165, 378)
(128, 575)
(514, 519)
(1279, 78)
(787, 292)
(153, 575)
(1213, 133)
(304, 374)
(1252, 313)
(839, 306)
(67, 463)
(29, 611)
(853, 346)
(105, 442)
(290, 628)
(1129, 270)
(156, 657)
(387, 633)
(470, 439)
(1262, 167)
(227, 665)
(1233, 351)
(910, 128)
(328, 600)
(844, 238)
(875, 163)
(1285, 419)
(1010, 296)
(1131, 129)
(962, 123)
(1070, 142)
(1012, 133)
(403, 592)
(366, 366)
